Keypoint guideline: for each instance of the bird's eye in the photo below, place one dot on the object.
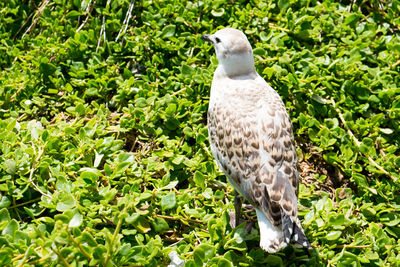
(217, 40)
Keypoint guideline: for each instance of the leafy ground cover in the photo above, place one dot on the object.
(104, 149)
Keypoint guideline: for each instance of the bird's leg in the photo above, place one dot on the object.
(238, 206)
(235, 217)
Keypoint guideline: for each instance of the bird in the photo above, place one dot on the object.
(251, 138)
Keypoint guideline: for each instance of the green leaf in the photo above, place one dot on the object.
(73, 14)
(141, 102)
(11, 166)
(99, 252)
(367, 146)
(171, 109)
(334, 235)
(386, 130)
(203, 253)
(11, 125)
(4, 215)
(132, 218)
(337, 220)
(219, 194)
(168, 31)
(259, 51)
(21, 237)
(80, 109)
(207, 250)
(208, 193)
(351, 19)
(171, 185)
(142, 225)
(4, 202)
(47, 68)
(283, 4)
(97, 159)
(218, 12)
(236, 242)
(368, 211)
(146, 195)
(87, 238)
(273, 260)
(76, 220)
(188, 131)
(168, 201)
(319, 99)
(172, 124)
(61, 217)
(45, 135)
(269, 72)
(187, 71)
(372, 255)
(199, 179)
(349, 259)
(66, 202)
(89, 177)
(199, 256)
(29, 212)
(331, 158)
(159, 225)
(390, 219)
(129, 231)
(11, 228)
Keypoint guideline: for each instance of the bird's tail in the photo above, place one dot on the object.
(292, 230)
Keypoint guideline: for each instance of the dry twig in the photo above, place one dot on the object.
(128, 17)
(39, 12)
(103, 28)
(89, 10)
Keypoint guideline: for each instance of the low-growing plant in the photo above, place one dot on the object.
(105, 158)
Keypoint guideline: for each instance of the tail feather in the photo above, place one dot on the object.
(270, 237)
(292, 230)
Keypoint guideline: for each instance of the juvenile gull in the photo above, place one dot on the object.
(252, 140)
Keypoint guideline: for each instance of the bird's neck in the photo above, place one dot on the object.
(236, 66)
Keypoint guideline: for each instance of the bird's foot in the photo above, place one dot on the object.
(248, 208)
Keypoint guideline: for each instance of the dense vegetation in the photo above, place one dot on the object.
(104, 153)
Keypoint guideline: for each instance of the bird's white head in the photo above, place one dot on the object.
(234, 52)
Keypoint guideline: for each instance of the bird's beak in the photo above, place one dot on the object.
(206, 37)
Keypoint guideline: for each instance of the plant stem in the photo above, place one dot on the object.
(78, 245)
(23, 204)
(60, 257)
(358, 143)
(116, 232)
(352, 246)
(33, 169)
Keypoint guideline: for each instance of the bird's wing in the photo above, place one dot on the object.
(278, 169)
(252, 139)
(279, 173)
